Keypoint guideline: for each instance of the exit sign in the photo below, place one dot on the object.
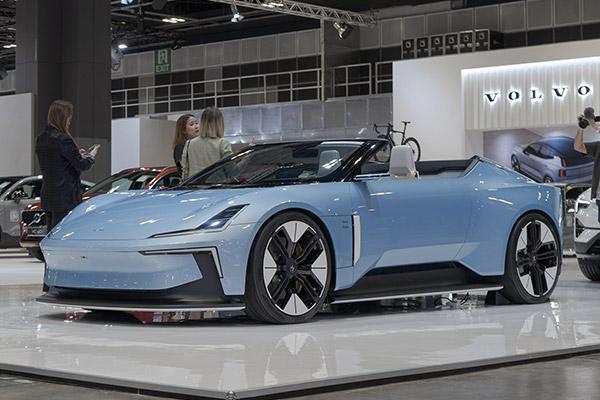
(162, 61)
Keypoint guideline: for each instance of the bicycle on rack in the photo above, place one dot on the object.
(408, 141)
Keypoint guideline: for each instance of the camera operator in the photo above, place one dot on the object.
(589, 120)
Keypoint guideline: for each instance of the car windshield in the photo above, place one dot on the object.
(130, 180)
(279, 164)
(6, 183)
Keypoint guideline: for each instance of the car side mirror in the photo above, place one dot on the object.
(526, 151)
(17, 196)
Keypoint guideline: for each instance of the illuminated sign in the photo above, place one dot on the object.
(535, 94)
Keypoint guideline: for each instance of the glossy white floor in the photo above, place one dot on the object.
(210, 358)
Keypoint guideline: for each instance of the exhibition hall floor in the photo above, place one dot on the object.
(213, 357)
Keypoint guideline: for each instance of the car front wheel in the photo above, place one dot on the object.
(590, 268)
(533, 260)
(289, 272)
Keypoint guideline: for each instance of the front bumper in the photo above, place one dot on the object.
(150, 264)
(204, 294)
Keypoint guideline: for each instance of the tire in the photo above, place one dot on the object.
(414, 145)
(547, 179)
(36, 252)
(286, 283)
(514, 163)
(589, 268)
(533, 261)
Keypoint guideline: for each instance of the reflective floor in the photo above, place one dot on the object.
(213, 357)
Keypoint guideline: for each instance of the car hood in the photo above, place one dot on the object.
(141, 214)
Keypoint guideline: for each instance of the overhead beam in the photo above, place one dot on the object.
(305, 10)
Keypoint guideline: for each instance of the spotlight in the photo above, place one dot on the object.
(122, 46)
(177, 45)
(115, 55)
(127, 2)
(173, 20)
(236, 16)
(343, 29)
(9, 46)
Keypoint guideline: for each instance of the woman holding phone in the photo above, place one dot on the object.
(61, 162)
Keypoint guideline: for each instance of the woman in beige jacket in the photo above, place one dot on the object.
(207, 148)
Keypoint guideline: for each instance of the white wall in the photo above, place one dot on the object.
(156, 138)
(16, 134)
(125, 144)
(428, 92)
(141, 142)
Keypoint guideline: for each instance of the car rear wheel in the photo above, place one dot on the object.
(36, 252)
(514, 163)
(289, 272)
(590, 268)
(533, 260)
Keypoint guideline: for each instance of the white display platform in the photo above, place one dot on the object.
(212, 357)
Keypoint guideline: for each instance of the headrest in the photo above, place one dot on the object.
(329, 161)
(402, 164)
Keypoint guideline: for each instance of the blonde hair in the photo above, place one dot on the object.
(180, 128)
(59, 114)
(212, 124)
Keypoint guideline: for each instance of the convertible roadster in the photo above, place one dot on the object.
(279, 230)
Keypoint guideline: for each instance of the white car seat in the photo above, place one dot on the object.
(329, 161)
(402, 165)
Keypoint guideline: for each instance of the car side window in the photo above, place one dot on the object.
(169, 180)
(547, 152)
(378, 163)
(28, 190)
(534, 149)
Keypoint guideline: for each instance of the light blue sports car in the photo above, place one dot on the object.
(279, 230)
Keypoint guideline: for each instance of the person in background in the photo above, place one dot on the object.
(209, 147)
(186, 128)
(61, 162)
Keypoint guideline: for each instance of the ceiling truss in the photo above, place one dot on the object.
(306, 10)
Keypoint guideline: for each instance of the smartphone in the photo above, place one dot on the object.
(92, 147)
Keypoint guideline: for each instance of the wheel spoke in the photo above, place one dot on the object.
(312, 293)
(281, 248)
(282, 289)
(533, 236)
(308, 249)
(538, 280)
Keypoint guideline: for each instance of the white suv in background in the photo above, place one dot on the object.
(587, 236)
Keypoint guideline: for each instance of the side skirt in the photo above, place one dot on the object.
(416, 280)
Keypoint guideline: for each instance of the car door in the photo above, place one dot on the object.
(406, 222)
(16, 200)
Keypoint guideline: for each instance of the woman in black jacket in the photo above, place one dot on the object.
(61, 163)
(186, 128)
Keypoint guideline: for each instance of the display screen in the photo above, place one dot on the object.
(279, 164)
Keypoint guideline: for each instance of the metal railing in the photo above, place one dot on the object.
(306, 84)
(243, 90)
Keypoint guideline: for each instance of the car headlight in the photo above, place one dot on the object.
(581, 204)
(216, 224)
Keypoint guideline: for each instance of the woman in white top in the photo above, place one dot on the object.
(207, 148)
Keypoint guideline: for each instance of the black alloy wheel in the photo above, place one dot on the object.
(290, 270)
(514, 163)
(533, 260)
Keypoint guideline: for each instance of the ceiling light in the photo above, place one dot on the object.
(9, 46)
(272, 4)
(122, 46)
(127, 2)
(173, 20)
(343, 29)
(236, 16)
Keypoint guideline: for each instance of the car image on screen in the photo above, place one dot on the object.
(552, 159)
